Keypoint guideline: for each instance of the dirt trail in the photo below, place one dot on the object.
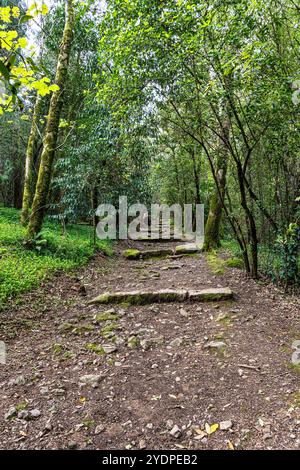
(161, 385)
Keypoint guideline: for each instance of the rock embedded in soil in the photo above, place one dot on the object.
(149, 342)
(175, 343)
(99, 428)
(141, 297)
(215, 345)
(175, 431)
(211, 294)
(146, 254)
(225, 425)
(109, 348)
(90, 379)
(11, 413)
(188, 248)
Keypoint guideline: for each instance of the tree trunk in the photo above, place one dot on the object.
(212, 227)
(28, 191)
(51, 133)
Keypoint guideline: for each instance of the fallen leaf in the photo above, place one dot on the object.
(230, 445)
(210, 429)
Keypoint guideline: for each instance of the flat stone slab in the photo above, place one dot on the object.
(206, 295)
(146, 254)
(141, 297)
(188, 248)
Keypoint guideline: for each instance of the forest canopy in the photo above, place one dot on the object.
(174, 101)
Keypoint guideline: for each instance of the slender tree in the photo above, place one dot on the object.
(51, 133)
(28, 191)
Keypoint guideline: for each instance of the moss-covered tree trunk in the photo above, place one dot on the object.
(28, 190)
(213, 224)
(50, 140)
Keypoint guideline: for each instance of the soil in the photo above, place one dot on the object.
(151, 383)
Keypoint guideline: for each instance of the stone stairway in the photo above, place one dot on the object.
(143, 297)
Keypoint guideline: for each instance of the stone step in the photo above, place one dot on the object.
(146, 254)
(211, 294)
(186, 249)
(140, 297)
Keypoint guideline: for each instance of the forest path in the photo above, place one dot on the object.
(105, 377)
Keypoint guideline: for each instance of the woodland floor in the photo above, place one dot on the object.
(145, 392)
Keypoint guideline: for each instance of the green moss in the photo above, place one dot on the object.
(131, 254)
(296, 399)
(108, 329)
(80, 329)
(216, 264)
(96, 348)
(106, 316)
(295, 368)
(133, 342)
(21, 406)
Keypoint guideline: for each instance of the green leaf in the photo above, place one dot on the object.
(4, 71)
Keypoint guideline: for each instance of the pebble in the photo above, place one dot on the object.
(90, 379)
(175, 343)
(99, 428)
(11, 412)
(175, 431)
(225, 425)
(20, 380)
(215, 345)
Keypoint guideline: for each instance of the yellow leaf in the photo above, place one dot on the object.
(22, 42)
(54, 87)
(44, 10)
(5, 14)
(210, 429)
(15, 11)
(230, 445)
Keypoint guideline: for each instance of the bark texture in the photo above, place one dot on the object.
(50, 140)
(28, 191)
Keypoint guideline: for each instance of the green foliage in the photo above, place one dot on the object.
(22, 269)
(288, 249)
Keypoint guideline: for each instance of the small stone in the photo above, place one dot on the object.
(20, 380)
(170, 424)
(99, 428)
(34, 413)
(72, 445)
(148, 343)
(183, 313)
(142, 444)
(58, 391)
(23, 414)
(90, 379)
(11, 413)
(175, 431)
(225, 425)
(44, 390)
(215, 345)
(175, 343)
(48, 426)
(109, 348)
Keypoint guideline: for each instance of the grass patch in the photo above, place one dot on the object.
(22, 269)
(216, 264)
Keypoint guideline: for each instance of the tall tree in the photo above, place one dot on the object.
(51, 133)
(28, 191)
